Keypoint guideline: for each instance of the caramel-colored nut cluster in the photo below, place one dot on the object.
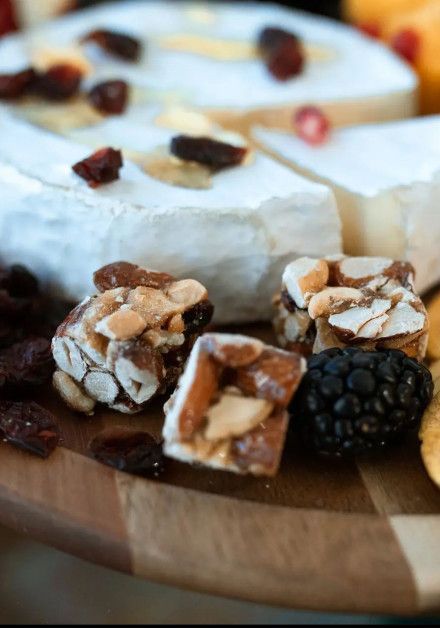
(230, 408)
(128, 343)
(364, 301)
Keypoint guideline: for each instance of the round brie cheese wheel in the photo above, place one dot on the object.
(205, 55)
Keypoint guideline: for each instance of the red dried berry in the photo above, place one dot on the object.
(312, 125)
(16, 85)
(26, 364)
(60, 82)
(101, 167)
(370, 29)
(126, 275)
(216, 155)
(29, 426)
(117, 44)
(110, 97)
(128, 450)
(18, 281)
(406, 44)
(282, 52)
(8, 22)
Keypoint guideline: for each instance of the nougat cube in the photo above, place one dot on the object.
(229, 411)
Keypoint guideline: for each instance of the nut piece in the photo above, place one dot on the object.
(121, 325)
(358, 271)
(230, 409)
(305, 277)
(333, 300)
(349, 323)
(434, 323)
(128, 344)
(72, 393)
(233, 415)
(187, 292)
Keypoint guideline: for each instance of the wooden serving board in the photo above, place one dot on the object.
(348, 536)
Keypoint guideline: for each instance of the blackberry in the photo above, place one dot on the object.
(351, 401)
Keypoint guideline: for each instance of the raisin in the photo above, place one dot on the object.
(312, 125)
(7, 17)
(101, 167)
(18, 281)
(29, 426)
(128, 450)
(60, 82)
(282, 52)
(110, 97)
(117, 44)
(25, 364)
(198, 317)
(216, 155)
(16, 85)
(126, 275)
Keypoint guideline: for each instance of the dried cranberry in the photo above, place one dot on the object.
(312, 125)
(7, 17)
(407, 44)
(29, 426)
(110, 97)
(216, 155)
(128, 450)
(101, 167)
(282, 52)
(117, 44)
(16, 85)
(27, 363)
(60, 82)
(371, 29)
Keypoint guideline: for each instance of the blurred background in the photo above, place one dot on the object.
(40, 585)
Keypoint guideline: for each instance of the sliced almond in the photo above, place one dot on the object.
(334, 300)
(403, 319)
(137, 367)
(187, 292)
(373, 328)
(325, 337)
(305, 277)
(176, 324)
(72, 394)
(101, 385)
(186, 121)
(233, 350)
(122, 325)
(68, 357)
(358, 271)
(44, 57)
(160, 165)
(350, 322)
(234, 416)
(60, 117)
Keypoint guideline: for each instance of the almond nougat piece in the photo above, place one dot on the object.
(365, 301)
(128, 343)
(230, 408)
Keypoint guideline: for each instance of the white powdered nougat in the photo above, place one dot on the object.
(386, 179)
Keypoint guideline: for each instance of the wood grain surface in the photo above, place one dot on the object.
(358, 536)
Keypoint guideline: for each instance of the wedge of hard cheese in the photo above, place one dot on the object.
(386, 179)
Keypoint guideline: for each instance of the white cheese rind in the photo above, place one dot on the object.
(386, 179)
(235, 238)
(357, 80)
